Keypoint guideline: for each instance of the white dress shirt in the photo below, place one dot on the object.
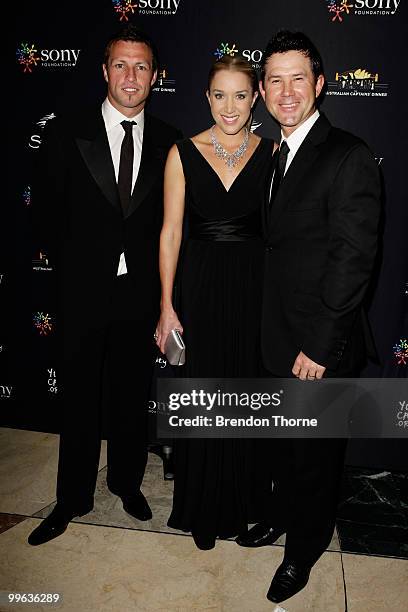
(115, 132)
(297, 137)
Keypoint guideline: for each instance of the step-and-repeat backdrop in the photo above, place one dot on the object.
(58, 50)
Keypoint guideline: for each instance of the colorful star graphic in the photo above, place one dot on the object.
(401, 352)
(123, 7)
(27, 57)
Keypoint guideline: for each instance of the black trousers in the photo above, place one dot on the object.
(306, 475)
(122, 351)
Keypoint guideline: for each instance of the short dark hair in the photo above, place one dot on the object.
(236, 64)
(285, 41)
(129, 33)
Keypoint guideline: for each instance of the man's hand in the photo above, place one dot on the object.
(306, 369)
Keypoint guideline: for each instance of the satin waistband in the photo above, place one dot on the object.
(237, 229)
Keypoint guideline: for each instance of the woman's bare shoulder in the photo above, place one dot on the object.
(202, 138)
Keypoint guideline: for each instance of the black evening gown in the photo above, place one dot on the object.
(218, 486)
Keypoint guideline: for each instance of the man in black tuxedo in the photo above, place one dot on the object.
(102, 194)
(321, 224)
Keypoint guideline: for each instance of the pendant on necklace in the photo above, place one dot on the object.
(231, 159)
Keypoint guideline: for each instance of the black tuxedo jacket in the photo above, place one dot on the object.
(78, 218)
(321, 235)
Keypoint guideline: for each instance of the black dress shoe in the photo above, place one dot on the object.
(53, 526)
(260, 535)
(290, 578)
(136, 505)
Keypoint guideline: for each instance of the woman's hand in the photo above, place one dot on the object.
(168, 321)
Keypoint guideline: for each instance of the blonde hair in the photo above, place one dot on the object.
(237, 64)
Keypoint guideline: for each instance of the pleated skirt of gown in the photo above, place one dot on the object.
(220, 484)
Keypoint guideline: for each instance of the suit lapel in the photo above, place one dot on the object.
(304, 159)
(266, 206)
(300, 165)
(150, 166)
(94, 147)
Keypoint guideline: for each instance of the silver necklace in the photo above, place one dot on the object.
(231, 159)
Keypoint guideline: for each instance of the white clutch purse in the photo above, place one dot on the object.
(175, 349)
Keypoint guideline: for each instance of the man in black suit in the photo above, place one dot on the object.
(102, 193)
(321, 224)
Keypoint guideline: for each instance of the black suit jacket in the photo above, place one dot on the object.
(78, 218)
(321, 234)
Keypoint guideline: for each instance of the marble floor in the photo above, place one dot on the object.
(109, 561)
(372, 517)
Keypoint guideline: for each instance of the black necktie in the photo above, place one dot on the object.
(279, 169)
(126, 166)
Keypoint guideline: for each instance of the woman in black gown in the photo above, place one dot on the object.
(217, 179)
